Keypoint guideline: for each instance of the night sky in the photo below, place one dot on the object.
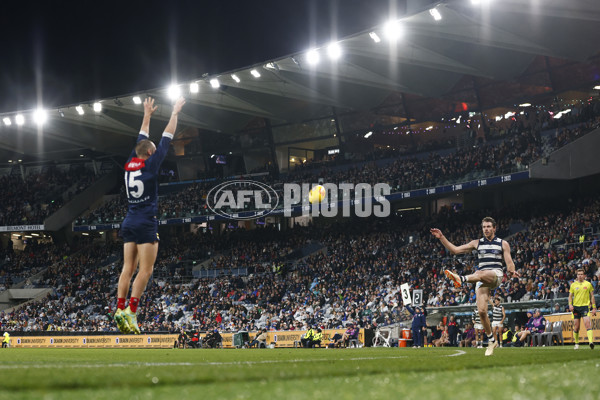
(66, 52)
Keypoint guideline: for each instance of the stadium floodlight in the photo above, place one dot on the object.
(235, 78)
(7, 121)
(558, 115)
(137, 100)
(255, 73)
(40, 116)
(334, 50)
(568, 110)
(429, 128)
(392, 30)
(312, 56)
(194, 87)
(214, 82)
(375, 37)
(79, 110)
(97, 107)
(509, 114)
(525, 105)
(435, 13)
(368, 134)
(19, 119)
(173, 92)
(597, 87)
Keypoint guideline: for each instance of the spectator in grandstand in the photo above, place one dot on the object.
(139, 230)
(498, 317)
(581, 296)
(491, 252)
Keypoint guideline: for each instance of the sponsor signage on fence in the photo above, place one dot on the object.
(21, 228)
(567, 327)
(125, 341)
(278, 338)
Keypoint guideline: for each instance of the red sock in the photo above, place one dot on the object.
(121, 303)
(133, 304)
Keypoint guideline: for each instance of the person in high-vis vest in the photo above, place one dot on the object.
(6, 340)
(316, 340)
(308, 337)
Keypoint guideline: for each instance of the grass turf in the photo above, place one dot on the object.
(430, 373)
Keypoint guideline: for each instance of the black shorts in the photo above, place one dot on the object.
(581, 311)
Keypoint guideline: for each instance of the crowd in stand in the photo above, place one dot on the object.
(31, 200)
(521, 145)
(16, 266)
(356, 280)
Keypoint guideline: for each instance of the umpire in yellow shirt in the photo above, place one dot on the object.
(581, 295)
(6, 340)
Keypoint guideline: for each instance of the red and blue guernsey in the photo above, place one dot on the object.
(141, 185)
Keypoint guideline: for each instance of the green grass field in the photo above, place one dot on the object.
(368, 373)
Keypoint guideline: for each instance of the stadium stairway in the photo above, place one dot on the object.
(12, 298)
(84, 200)
(574, 160)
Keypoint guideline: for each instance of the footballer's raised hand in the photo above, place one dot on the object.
(149, 106)
(178, 105)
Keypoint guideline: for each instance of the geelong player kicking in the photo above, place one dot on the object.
(492, 253)
(139, 230)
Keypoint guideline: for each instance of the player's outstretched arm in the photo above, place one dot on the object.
(149, 109)
(465, 248)
(172, 125)
(510, 264)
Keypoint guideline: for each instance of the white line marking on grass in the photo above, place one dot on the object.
(186, 364)
(458, 353)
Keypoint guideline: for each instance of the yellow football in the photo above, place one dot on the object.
(317, 194)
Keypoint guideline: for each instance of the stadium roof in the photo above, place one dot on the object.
(475, 57)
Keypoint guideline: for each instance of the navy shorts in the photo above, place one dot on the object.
(139, 229)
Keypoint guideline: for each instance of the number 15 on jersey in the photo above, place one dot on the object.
(133, 186)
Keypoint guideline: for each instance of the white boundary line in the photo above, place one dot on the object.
(189, 364)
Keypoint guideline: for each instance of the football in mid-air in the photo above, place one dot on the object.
(317, 194)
